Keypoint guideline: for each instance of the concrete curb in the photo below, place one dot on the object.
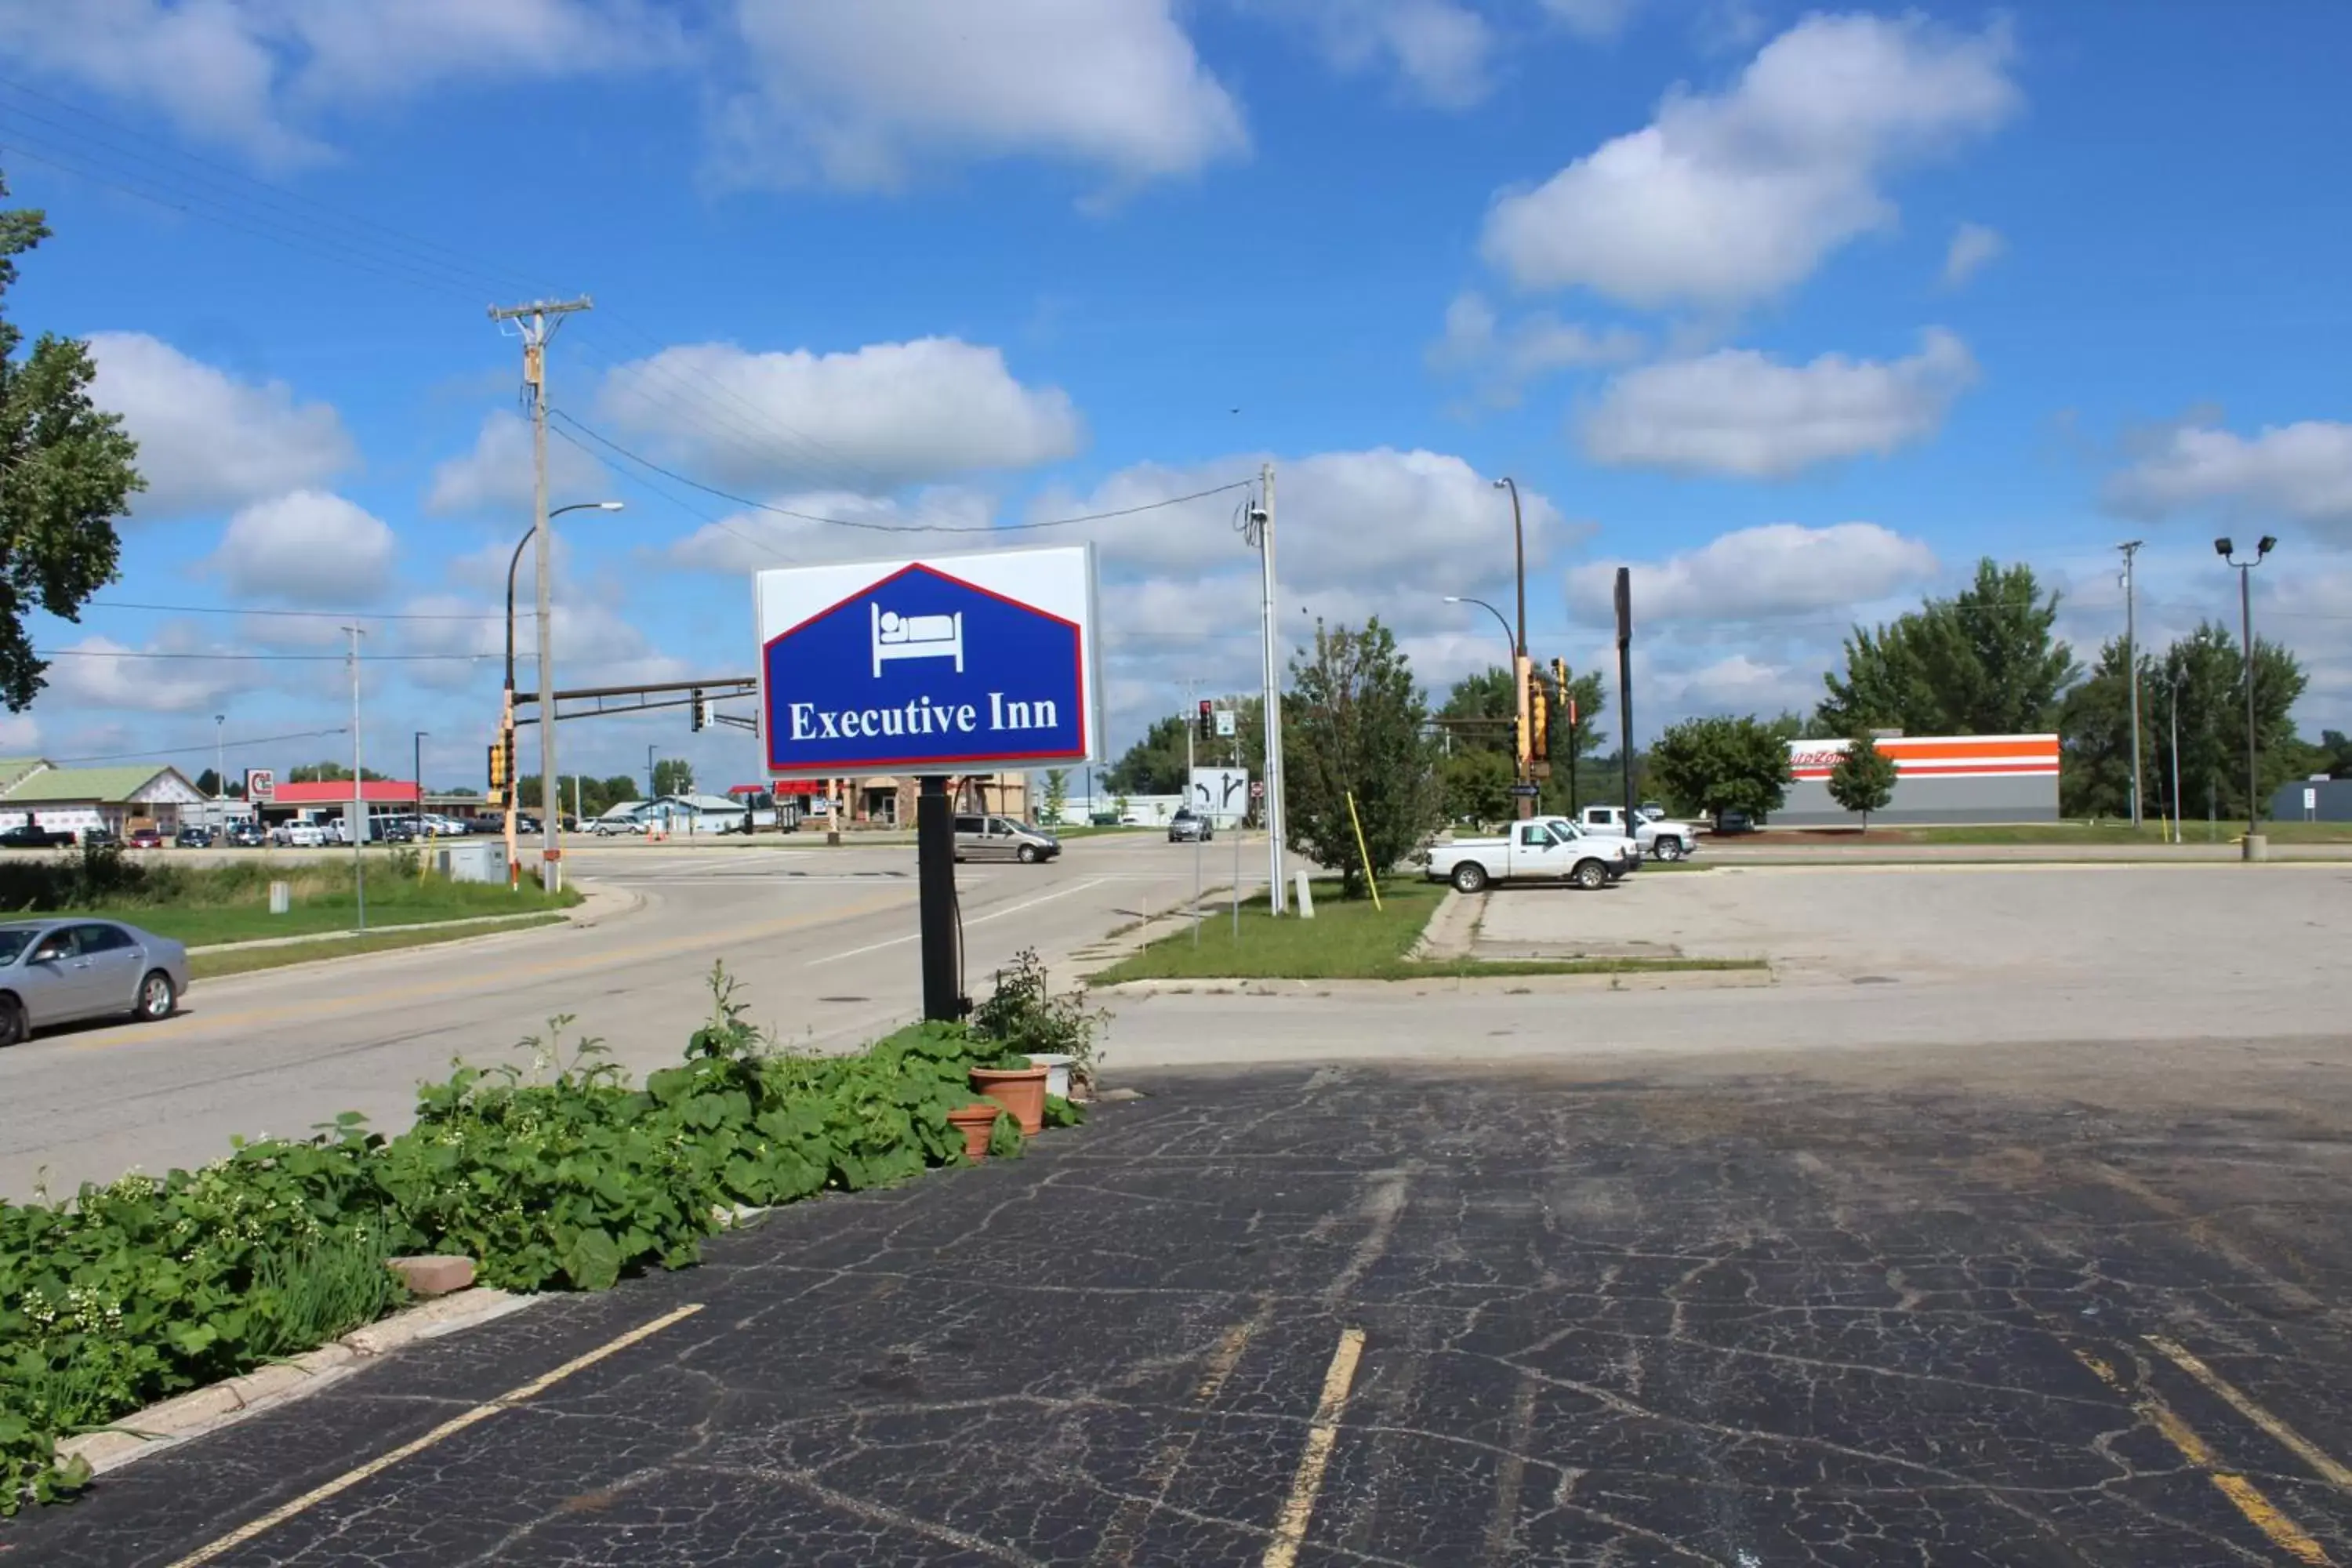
(176, 1420)
(1505, 984)
(1453, 931)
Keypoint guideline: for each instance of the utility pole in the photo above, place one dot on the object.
(532, 321)
(1262, 524)
(220, 764)
(419, 822)
(2131, 668)
(358, 791)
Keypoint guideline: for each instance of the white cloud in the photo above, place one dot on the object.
(1738, 412)
(884, 416)
(1740, 684)
(1438, 47)
(1727, 198)
(1974, 247)
(1757, 574)
(308, 548)
(497, 475)
(207, 439)
(94, 673)
(745, 542)
(1506, 358)
(254, 74)
(865, 95)
(2300, 472)
(1595, 19)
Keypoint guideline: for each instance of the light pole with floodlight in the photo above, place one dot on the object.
(2257, 846)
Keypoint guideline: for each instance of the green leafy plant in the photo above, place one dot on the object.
(557, 1174)
(1023, 1018)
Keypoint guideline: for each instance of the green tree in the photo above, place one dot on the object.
(1353, 725)
(2207, 673)
(1710, 766)
(673, 775)
(1057, 795)
(2333, 754)
(208, 783)
(328, 773)
(66, 473)
(1478, 717)
(1863, 779)
(1154, 764)
(2094, 738)
(1475, 785)
(1984, 662)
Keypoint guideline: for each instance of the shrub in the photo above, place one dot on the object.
(1023, 1016)
(563, 1177)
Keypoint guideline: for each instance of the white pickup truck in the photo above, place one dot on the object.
(1659, 838)
(1549, 848)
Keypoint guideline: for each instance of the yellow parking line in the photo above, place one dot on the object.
(2247, 1497)
(1290, 1530)
(2287, 1437)
(413, 992)
(455, 1424)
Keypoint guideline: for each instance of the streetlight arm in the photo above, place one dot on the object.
(1500, 620)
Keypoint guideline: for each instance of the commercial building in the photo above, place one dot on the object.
(1939, 779)
(73, 800)
(386, 798)
(2312, 800)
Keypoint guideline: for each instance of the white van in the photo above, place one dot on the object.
(1001, 838)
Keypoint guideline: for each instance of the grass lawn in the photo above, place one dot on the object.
(1347, 940)
(245, 961)
(205, 905)
(2151, 832)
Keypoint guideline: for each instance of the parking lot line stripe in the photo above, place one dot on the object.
(2246, 1496)
(1121, 1539)
(1299, 1507)
(2287, 1437)
(455, 1424)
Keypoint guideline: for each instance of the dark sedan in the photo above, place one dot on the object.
(58, 971)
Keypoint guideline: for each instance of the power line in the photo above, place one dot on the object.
(343, 615)
(873, 527)
(271, 658)
(204, 745)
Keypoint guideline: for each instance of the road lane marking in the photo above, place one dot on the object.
(1120, 1540)
(2247, 1497)
(975, 920)
(410, 993)
(1299, 1507)
(2287, 1437)
(455, 1424)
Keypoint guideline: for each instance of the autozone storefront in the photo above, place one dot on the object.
(1937, 778)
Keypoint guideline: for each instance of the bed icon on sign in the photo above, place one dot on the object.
(916, 636)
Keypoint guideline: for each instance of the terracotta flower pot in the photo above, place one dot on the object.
(976, 1122)
(1022, 1092)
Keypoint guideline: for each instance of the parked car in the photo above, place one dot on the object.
(247, 835)
(400, 830)
(147, 838)
(1729, 822)
(1659, 838)
(33, 836)
(53, 971)
(606, 826)
(193, 836)
(98, 838)
(298, 835)
(1184, 828)
(1001, 838)
(1542, 848)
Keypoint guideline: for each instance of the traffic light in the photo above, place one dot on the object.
(1208, 719)
(702, 710)
(502, 770)
(1523, 732)
(1538, 716)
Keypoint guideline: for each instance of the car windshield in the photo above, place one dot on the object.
(13, 940)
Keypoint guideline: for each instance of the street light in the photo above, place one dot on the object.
(2226, 549)
(1508, 641)
(220, 755)
(1520, 554)
(419, 822)
(506, 722)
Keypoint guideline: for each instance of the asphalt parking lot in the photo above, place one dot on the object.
(1826, 1309)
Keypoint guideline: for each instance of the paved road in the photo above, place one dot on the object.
(1845, 1310)
(823, 940)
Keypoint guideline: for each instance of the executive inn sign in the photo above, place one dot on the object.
(957, 664)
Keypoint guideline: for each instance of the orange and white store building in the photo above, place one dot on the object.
(1937, 778)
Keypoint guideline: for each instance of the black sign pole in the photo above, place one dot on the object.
(935, 875)
(1626, 684)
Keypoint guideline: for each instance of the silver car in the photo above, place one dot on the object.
(55, 971)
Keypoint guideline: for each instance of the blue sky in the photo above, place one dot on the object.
(1798, 312)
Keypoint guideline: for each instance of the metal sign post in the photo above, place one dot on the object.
(942, 666)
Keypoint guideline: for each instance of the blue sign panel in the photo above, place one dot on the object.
(922, 671)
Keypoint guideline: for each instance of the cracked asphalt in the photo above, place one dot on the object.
(1752, 1311)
